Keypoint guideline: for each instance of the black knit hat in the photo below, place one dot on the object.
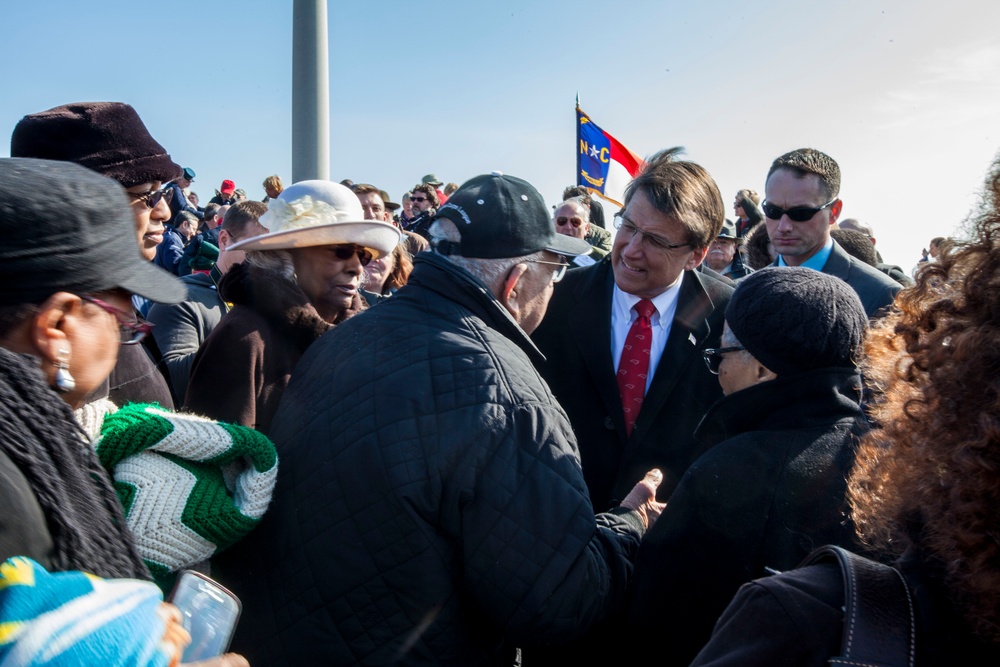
(793, 319)
(502, 216)
(65, 228)
(108, 137)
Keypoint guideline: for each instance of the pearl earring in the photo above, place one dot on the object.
(64, 382)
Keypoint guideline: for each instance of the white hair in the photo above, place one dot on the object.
(729, 339)
(490, 271)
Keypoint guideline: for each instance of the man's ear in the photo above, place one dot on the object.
(835, 209)
(49, 327)
(509, 292)
(763, 373)
(697, 257)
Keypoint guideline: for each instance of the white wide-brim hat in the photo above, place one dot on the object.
(319, 213)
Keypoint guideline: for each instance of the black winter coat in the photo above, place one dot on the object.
(430, 507)
(768, 492)
(797, 618)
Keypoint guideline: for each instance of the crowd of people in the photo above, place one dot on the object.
(473, 429)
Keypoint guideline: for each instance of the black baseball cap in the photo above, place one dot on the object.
(501, 216)
(65, 228)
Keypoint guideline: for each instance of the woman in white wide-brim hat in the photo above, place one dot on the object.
(298, 281)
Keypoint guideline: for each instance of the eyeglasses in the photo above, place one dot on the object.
(151, 198)
(418, 199)
(713, 357)
(576, 222)
(626, 226)
(796, 214)
(348, 250)
(132, 328)
(559, 273)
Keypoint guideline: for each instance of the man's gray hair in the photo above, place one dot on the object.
(729, 339)
(582, 203)
(490, 271)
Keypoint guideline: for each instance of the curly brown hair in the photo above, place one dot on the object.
(928, 478)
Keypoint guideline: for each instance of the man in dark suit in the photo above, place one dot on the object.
(673, 211)
(801, 206)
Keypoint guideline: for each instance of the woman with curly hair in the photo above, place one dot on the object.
(925, 490)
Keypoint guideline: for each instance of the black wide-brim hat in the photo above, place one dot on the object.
(64, 228)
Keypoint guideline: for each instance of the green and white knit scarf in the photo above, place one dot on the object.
(190, 486)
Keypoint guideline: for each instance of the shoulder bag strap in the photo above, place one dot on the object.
(879, 622)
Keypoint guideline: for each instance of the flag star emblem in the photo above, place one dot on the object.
(593, 151)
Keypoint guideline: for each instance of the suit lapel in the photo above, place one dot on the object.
(590, 323)
(838, 263)
(684, 344)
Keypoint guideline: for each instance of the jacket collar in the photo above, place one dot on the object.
(281, 302)
(434, 272)
(804, 400)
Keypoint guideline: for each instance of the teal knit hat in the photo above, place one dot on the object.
(190, 486)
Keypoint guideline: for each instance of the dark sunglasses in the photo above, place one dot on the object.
(345, 252)
(576, 222)
(412, 198)
(132, 328)
(713, 357)
(797, 214)
(151, 198)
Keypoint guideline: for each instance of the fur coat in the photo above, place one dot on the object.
(242, 369)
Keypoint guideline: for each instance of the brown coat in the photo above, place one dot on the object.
(242, 369)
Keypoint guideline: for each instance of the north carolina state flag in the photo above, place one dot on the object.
(603, 164)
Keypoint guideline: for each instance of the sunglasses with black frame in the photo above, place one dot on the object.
(796, 213)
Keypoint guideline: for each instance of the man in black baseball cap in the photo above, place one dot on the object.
(439, 498)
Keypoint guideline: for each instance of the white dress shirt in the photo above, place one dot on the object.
(623, 315)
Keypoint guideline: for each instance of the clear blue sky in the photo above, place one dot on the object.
(904, 94)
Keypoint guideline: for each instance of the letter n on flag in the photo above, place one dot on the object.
(603, 164)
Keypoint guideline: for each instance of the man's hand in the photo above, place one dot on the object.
(642, 498)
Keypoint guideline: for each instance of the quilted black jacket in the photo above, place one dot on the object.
(430, 506)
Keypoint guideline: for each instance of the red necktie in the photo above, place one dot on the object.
(634, 364)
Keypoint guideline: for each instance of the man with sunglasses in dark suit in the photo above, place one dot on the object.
(801, 205)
